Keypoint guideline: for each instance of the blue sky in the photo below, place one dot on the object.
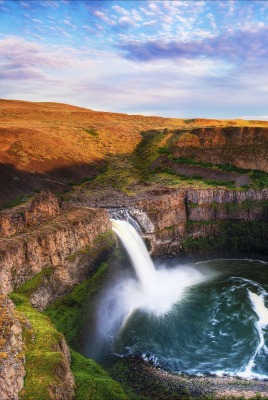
(172, 58)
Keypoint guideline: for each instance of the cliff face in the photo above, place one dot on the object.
(62, 251)
(169, 219)
(244, 147)
(45, 250)
(12, 358)
(18, 335)
(42, 208)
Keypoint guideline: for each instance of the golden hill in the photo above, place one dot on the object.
(49, 145)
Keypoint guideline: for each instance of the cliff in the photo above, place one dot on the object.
(42, 208)
(12, 357)
(61, 250)
(172, 220)
(245, 147)
(45, 250)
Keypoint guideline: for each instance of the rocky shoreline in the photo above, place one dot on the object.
(151, 382)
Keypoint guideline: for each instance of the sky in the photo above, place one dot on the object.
(173, 58)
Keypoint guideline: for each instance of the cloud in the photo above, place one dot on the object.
(240, 45)
(49, 3)
(149, 23)
(125, 22)
(19, 55)
(23, 4)
(102, 16)
(21, 74)
(182, 68)
(38, 21)
(68, 23)
(120, 10)
(255, 117)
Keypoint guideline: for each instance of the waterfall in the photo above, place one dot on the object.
(123, 214)
(137, 252)
(156, 290)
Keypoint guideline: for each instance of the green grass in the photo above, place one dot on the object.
(44, 359)
(93, 382)
(45, 363)
(148, 150)
(31, 285)
(259, 178)
(151, 147)
(93, 132)
(69, 312)
(16, 202)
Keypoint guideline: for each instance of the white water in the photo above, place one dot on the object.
(260, 309)
(156, 291)
(124, 214)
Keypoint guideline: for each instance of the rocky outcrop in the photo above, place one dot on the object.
(43, 207)
(62, 250)
(12, 357)
(244, 147)
(169, 217)
(220, 204)
(162, 216)
(13, 347)
(64, 389)
(45, 250)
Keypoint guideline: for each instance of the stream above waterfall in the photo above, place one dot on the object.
(194, 317)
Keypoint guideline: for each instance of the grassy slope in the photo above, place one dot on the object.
(51, 145)
(159, 146)
(41, 340)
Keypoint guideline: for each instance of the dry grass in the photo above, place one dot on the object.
(41, 136)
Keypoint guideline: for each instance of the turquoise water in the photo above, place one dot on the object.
(218, 323)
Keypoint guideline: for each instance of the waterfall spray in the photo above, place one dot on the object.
(155, 291)
(189, 318)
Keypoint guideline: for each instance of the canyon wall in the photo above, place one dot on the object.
(58, 246)
(45, 250)
(244, 147)
(173, 221)
(12, 358)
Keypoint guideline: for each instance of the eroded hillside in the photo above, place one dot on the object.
(53, 146)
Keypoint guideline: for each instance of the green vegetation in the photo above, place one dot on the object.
(93, 132)
(234, 237)
(93, 382)
(16, 202)
(69, 312)
(120, 173)
(190, 161)
(259, 178)
(148, 150)
(31, 285)
(158, 144)
(43, 356)
(45, 363)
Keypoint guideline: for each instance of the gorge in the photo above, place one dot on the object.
(198, 192)
(213, 305)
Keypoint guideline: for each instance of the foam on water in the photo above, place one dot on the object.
(154, 291)
(147, 314)
(260, 309)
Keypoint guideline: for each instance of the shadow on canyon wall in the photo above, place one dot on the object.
(15, 183)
